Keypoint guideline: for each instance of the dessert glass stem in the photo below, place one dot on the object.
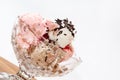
(21, 75)
(24, 76)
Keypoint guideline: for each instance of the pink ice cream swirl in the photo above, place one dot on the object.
(31, 28)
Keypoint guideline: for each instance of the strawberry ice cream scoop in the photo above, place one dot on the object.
(30, 28)
(34, 22)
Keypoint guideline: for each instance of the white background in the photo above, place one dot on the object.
(98, 37)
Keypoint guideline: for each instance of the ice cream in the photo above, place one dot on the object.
(45, 42)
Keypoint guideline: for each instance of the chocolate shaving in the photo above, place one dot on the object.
(65, 34)
(50, 41)
(65, 69)
(47, 29)
(59, 33)
(55, 66)
(37, 63)
(46, 36)
(38, 59)
(31, 49)
(55, 29)
(46, 58)
(65, 21)
(54, 42)
(59, 22)
(56, 39)
(60, 71)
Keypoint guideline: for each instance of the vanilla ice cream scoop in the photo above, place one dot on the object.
(63, 35)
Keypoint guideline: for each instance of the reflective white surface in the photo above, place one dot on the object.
(98, 26)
